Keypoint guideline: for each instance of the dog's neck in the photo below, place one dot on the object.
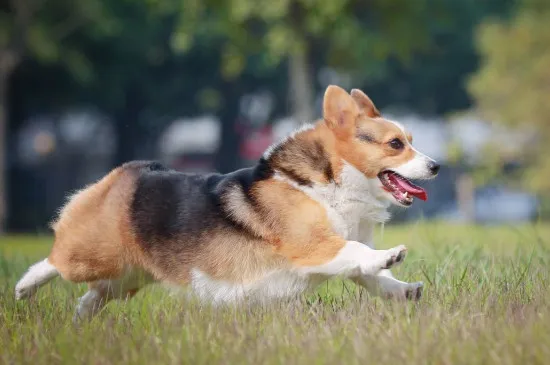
(354, 186)
(305, 156)
(307, 160)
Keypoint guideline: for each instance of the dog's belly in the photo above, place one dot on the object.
(273, 285)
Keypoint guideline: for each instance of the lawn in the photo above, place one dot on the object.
(486, 301)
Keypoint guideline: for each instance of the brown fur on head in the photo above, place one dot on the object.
(364, 137)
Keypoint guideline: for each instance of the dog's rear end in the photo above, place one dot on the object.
(93, 237)
(142, 223)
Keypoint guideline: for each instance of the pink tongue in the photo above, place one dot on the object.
(410, 188)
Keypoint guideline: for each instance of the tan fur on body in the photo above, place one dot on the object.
(94, 240)
(93, 237)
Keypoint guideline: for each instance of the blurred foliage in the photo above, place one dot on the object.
(513, 83)
(145, 63)
(43, 30)
(432, 81)
(492, 167)
(349, 34)
(412, 53)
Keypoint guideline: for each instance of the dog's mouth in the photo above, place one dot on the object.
(402, 189)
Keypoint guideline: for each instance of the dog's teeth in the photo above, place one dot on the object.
(406, 195)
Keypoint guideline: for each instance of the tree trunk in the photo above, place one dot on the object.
(465, 196)
(227, 157)
(3, 148)
(127, 127)
(8, 62)
(301, 86)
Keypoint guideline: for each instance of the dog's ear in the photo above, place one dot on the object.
(364, 102)
(339, 110)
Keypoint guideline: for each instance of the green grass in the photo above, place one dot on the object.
(486, 300)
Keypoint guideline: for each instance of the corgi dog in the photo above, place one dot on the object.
(304, 213)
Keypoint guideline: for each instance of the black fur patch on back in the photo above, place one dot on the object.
(144, 166)
(170, 205)
(244, 180)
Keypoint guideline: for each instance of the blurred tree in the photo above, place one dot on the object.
(135, 75)
(207, 27)
(512, 85)
(41, 29)
(351, 35)
(125, 57)
(432, 81)
(127, 71)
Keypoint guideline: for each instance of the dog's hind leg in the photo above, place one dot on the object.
(90, 304)
(102, 291)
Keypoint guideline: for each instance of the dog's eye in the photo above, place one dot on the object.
(396, 144)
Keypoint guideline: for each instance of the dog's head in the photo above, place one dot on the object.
(379, 148)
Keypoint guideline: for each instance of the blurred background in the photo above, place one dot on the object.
(207, 85)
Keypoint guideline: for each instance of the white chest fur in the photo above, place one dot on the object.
(350, 203)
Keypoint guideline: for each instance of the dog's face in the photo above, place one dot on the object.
(379, 148)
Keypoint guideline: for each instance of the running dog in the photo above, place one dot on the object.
(304, 213)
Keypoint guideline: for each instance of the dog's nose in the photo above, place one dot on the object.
(434, 167)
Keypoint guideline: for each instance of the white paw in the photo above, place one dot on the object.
(414, 291)
(410, 291)
(395, 256)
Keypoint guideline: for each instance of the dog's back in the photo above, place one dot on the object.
(183, 222)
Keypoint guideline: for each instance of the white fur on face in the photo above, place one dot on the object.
(416, 168)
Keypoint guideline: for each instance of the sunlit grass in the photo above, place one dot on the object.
(486, 301)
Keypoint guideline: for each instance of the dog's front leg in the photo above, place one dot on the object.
(383, 283)
(356, 259)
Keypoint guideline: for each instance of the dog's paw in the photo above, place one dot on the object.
(395, 256)
(409, 291)
(414, 291)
